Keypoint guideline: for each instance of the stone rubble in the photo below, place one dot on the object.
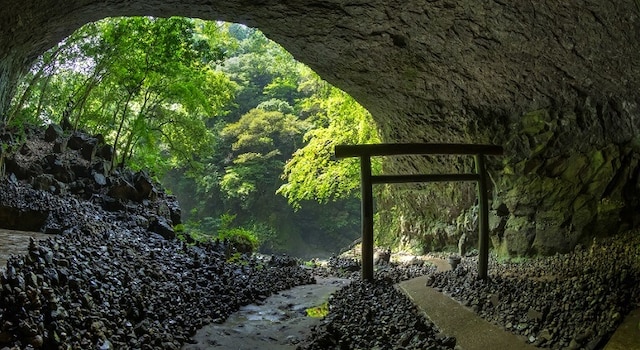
(375, 315)
(115, 277)
(569, 301)
(112, 276)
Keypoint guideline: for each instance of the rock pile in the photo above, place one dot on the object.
(78, 166)
(345, 267)
(572, 301)
(375, 315)
(127, 290)
(113, 278)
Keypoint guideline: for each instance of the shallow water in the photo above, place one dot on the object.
(279, 322)
(16, 242)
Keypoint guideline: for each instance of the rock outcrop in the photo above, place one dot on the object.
(556, 83)
(40, 173)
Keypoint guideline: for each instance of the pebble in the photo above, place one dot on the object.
(374, 315)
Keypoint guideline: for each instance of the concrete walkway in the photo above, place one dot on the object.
(627, 336)
(472, 332)
(455, 320)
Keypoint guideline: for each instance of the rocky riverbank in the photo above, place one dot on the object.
(571, 301)
(128, 290)
(112, 276)
(375, 315)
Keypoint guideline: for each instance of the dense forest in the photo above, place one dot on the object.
(226, 119)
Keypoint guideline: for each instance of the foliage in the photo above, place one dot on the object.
(260, 142)
(320, 311)
(240, 239)
(141, 82)
(216, 110)
(312, 173)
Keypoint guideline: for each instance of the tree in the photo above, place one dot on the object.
(261, 142)
(312, 173)
(144, 83)
(263, 70)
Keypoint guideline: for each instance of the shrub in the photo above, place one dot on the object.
(239, 239)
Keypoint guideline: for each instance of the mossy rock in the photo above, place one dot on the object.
(540, 142)
(551, 239)
(534, 122)
(519, 234)
(576, 166)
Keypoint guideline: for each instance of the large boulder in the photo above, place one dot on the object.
(53, 133)
(162, 227)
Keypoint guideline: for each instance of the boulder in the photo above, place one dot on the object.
(163, 228)
(81, 170)
(99, 179)
(174, 209)
(47, 182)
(60, 145)
(80, 140)
(89, 149)
(111, 204)
(59, 169)
(105, 152)
(22, 219)
(122, 189)
(20, 170)
(53, 133)
(519, 234)
(102, 166)
(144, 186)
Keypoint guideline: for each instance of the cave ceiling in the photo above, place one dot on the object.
(414, 60)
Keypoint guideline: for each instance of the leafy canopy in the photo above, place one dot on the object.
(312, 173)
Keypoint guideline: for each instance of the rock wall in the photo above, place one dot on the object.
(574, 177)
(569, 175)
(556, 83)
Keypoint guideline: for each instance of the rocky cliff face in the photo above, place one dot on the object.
(556, 83)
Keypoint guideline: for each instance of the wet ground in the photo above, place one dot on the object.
(16, 242)
(279, 322)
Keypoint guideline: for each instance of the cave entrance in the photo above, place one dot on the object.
(367, 180)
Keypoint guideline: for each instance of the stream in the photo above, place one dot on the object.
(278, 322)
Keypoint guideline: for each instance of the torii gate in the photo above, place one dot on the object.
(365, 152)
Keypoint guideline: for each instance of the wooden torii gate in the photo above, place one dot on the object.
(365, 152)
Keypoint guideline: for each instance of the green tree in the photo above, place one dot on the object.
(261, 141)
(263, 70)
(145, 83)
(312, 173)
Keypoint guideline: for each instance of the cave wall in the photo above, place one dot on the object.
(569, 175)
(555, 83)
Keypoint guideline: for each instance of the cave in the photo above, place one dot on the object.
(555, 83)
